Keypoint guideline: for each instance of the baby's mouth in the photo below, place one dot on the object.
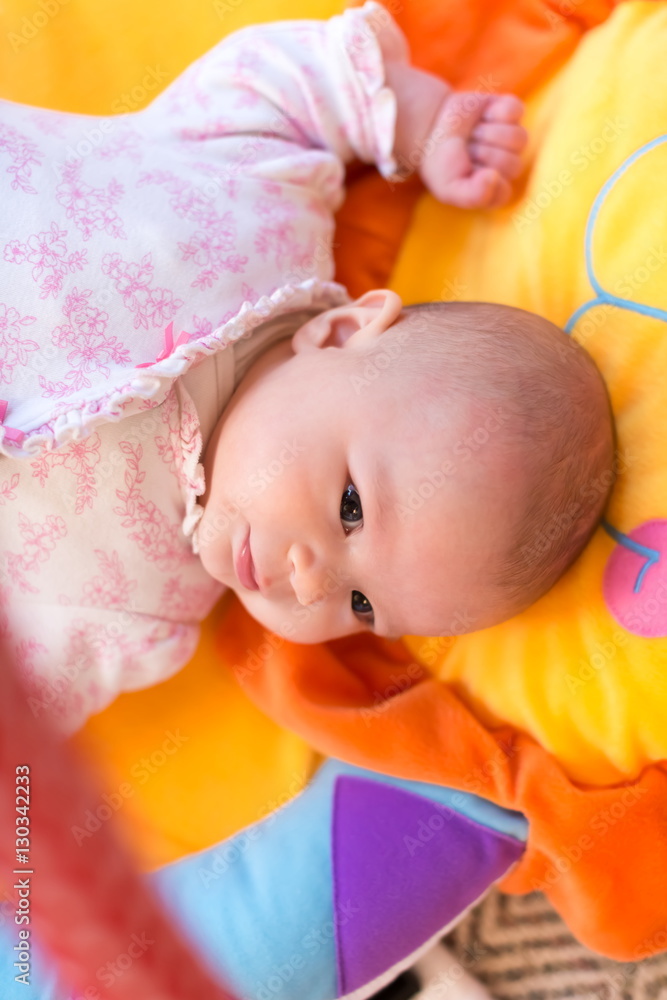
(244, 565)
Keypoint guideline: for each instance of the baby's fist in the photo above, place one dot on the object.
(473, 150)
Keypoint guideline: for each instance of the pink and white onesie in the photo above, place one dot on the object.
(138, 281)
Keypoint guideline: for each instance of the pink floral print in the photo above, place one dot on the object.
(13, 347)
(277, 234)
(50, 259)
(210, 246)
(138, 249)
(8, 489)
(127, 143)
(90, 208)
(155, 536)
(184, 603)
(24, 155)
(78, 458)
(113, 588)
(39, 541)
(91, 350)
(151, 306)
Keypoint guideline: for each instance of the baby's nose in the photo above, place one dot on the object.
(307, 575)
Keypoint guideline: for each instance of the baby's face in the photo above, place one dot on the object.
(356, 517)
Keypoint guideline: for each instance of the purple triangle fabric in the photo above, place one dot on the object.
(403, 868)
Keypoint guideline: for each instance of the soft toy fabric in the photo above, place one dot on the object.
(480, 45)
(332, 896)
(583, 671)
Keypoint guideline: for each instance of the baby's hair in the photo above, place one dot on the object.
(558, 414)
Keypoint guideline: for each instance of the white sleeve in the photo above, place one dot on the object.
(313, 84)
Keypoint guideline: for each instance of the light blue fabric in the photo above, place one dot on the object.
(42, 984)
(258, 907)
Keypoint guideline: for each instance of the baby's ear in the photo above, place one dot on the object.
(350, 325)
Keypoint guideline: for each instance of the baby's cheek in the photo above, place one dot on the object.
(284, 620)
(214, 550)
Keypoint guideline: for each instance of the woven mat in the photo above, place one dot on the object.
(520, 949)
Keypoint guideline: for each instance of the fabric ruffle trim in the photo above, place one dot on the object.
(363, 50)
(192, 476)
(71, 422)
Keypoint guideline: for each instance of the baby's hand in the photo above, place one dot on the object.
(472, 152)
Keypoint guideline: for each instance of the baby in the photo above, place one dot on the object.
(191, 403)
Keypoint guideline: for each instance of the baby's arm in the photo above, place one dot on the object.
(296, 91)
(465, 146)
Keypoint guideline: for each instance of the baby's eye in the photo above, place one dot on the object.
(361, 605)
(350, 506)
(350, 512)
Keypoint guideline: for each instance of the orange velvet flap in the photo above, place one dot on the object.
(600, 854)
(492, 45)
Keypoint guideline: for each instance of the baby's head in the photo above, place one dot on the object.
(429, 470)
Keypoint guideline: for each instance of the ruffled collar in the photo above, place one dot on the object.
(151, 381)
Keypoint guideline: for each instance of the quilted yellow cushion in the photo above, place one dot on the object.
(585, 669)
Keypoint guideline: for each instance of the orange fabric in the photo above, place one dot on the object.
(600, 854)
(493, 45)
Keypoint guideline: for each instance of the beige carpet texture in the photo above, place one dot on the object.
(520, 949)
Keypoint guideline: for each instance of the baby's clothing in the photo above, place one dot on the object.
(139, 279)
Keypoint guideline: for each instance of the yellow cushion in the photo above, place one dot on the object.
(110, 56)
(190, 761)
(583, 670)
